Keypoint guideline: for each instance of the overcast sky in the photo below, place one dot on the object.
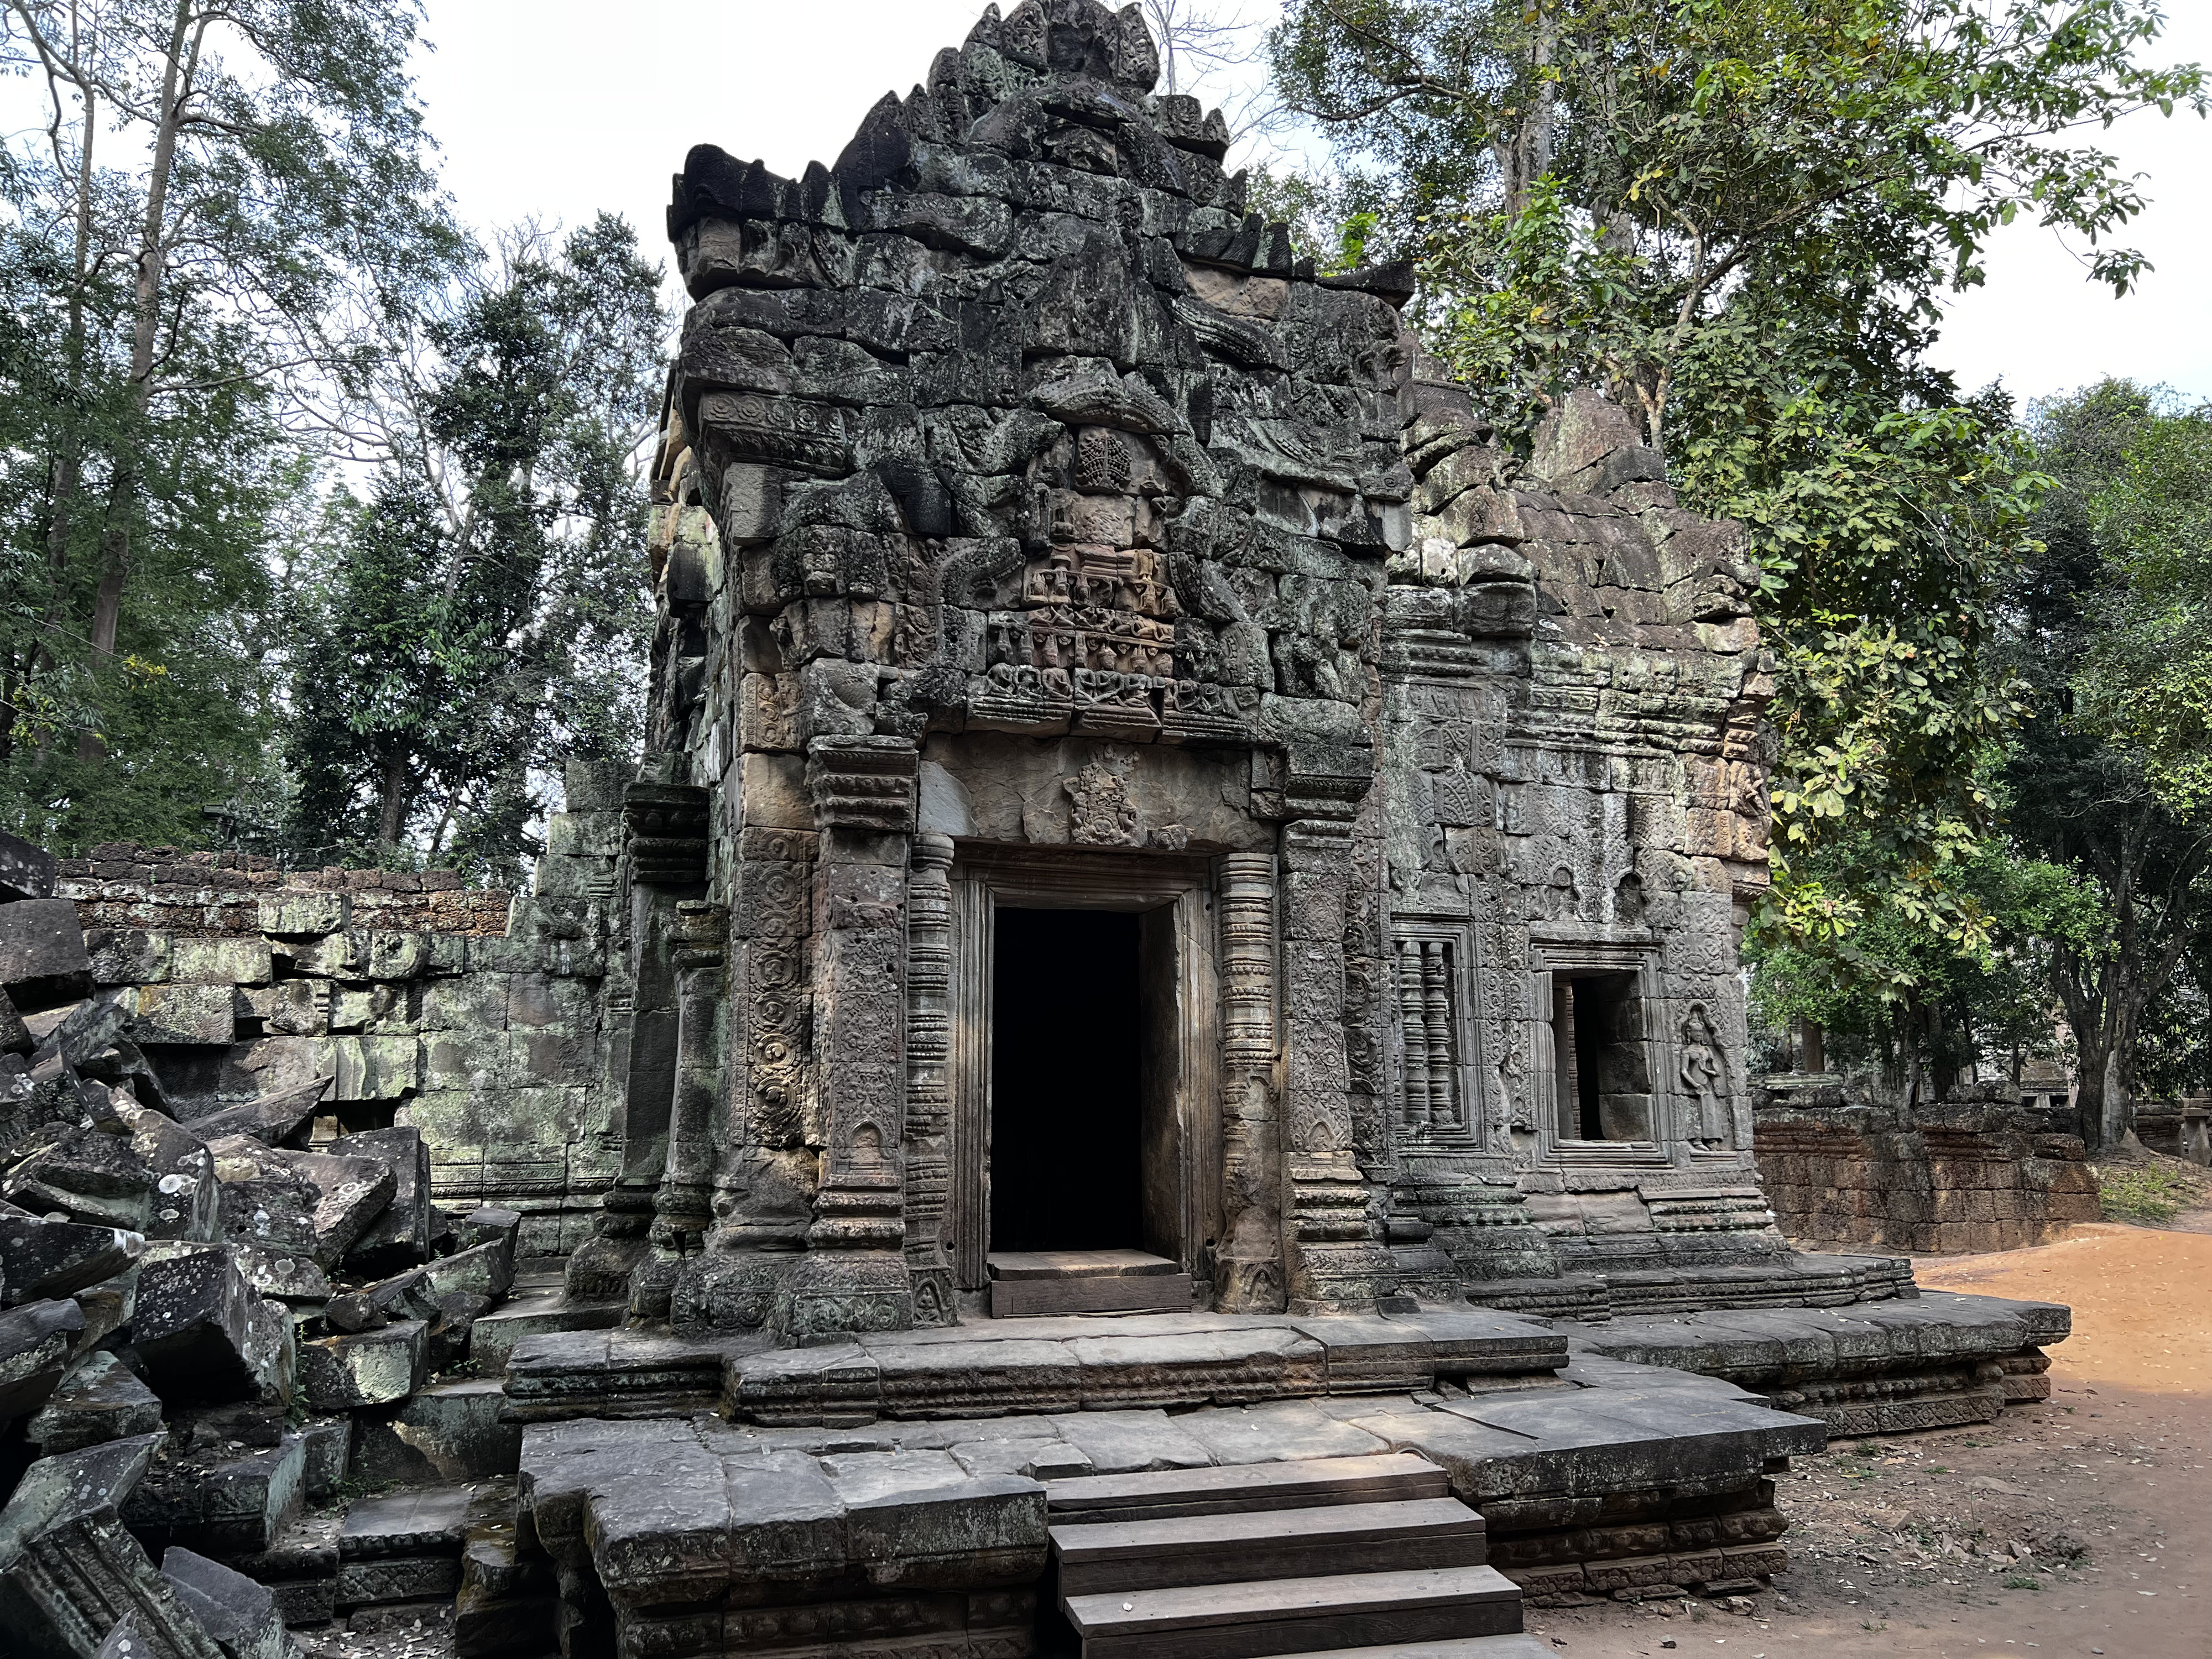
(545, 111)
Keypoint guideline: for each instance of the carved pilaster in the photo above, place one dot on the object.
(1334, 1256)
(1249, 1266)
(928, 1079)
(855, 1276)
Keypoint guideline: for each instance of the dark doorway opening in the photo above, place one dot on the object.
(1067, 1082)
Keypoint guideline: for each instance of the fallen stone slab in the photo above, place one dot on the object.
(204, 1335)
(36, 1341)
(98, 1400)
(272, 1120)
(42, 1259)
(492, 1224)
(374, 1367)
(344, 1194)
(400, 1238)
(69, 1573)
(15, 1037)
(220, 1502)
(238, 1612)
(42, 956)
(157, 1179)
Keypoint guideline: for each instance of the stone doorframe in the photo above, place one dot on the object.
(1181, 893)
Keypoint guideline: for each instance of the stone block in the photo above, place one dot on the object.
(375, 1068)
(347, 1194)
(27, 872)
(40, 1260)
(203, 1336)
(919, 1521)
(35, 1343)
(70, 1573)
(187, 1015)
(449, 1431)
(400, 1236)
(220, 961)
(238, 1612)
(218, 1501)
(327, 1443)
(157, 1179)
(372, 1368)
(298, 915)
(127, 956)
(43, 961)
(98, 1400)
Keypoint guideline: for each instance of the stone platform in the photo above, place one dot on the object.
(700, 1535)
(1935, 1360)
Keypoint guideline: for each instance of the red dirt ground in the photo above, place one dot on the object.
(1905, 1549)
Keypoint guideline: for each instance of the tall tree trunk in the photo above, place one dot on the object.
(392, 815)
(186, 36)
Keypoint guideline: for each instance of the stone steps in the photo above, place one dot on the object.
(1302, 1483)
(1308, 1554)
(1095, 1557)
(1296, 1615)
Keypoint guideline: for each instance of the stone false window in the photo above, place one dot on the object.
(1437, 1098)
(1597, 1066)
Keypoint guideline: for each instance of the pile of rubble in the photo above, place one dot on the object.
(207, 1326)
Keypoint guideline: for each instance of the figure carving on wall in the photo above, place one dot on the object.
(1103, 814)
(1563, 899)
(1704, 1073)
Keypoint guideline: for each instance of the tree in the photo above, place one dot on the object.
(226, 195)
(2106, 775)
(1737, 216)
(482, 614)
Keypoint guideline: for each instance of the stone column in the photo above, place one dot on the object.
(1247, 1275)
(665, 848)
(855, 1277)
(683, 1208)
(929, 1079)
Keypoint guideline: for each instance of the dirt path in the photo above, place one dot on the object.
(1904, 1547)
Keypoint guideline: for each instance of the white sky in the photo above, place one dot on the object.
(545, 111)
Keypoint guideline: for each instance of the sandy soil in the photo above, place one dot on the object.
(1906, 1545)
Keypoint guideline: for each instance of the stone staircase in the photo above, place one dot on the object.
(1368, 1555)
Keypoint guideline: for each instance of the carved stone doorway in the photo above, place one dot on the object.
(1090, 1120)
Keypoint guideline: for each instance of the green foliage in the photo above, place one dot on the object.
(482, 614)
(1737, 216)
(2147, 1194)
(194, 252)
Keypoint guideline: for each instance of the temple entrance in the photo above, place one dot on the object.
(1066, 1138)
(1084, 1060)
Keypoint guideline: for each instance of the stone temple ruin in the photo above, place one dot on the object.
(1153, 1062)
